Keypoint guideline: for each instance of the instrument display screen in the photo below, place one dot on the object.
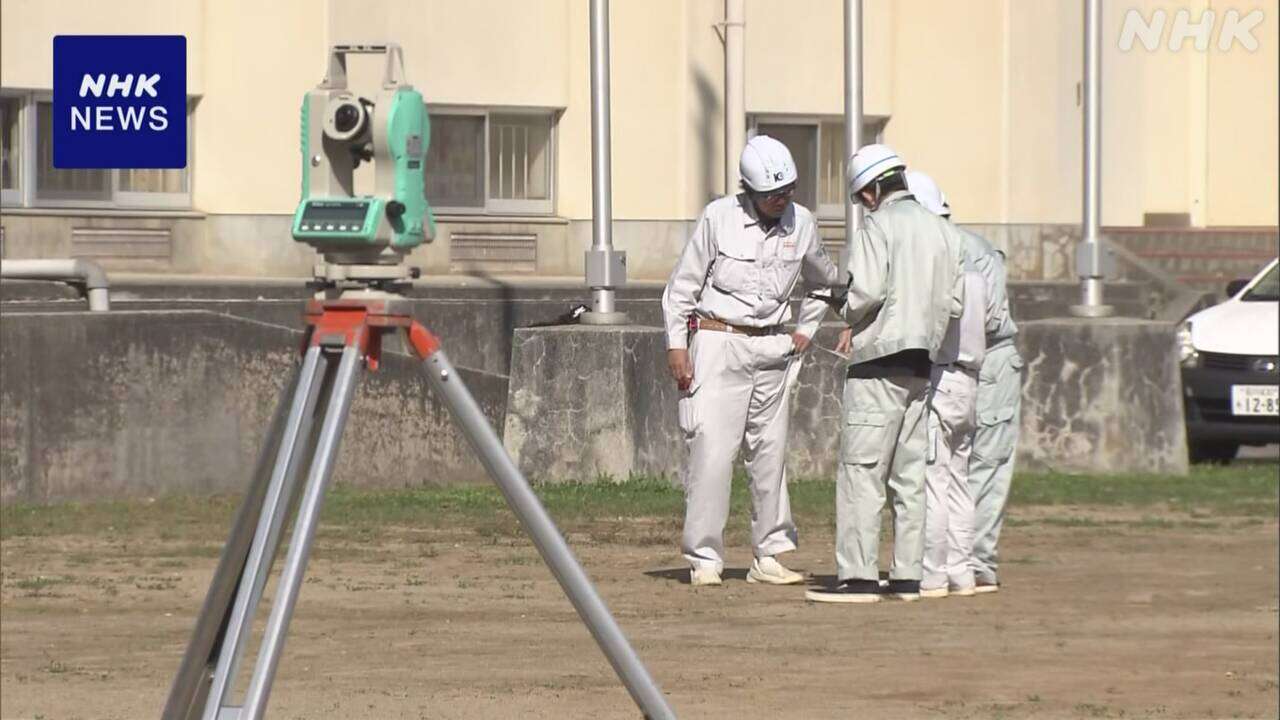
(326, 215)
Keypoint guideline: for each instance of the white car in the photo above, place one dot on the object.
(1231, 369)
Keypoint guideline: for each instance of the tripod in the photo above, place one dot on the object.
(342, 334)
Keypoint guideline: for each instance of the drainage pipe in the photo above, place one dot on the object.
(90, 274)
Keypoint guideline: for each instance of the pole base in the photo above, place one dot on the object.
(603, 318)
(1092, 311)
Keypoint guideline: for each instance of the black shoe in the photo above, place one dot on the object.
(849, 591)
(904, 589)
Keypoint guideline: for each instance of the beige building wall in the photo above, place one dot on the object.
(1041, 116)
(261, 58)
(795, 60)
(982, 94)
(27, 28)
(947, 99)
(1244, 127)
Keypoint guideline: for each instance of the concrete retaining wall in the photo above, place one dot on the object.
(151, 399)
(129, 404)
(1098, 396)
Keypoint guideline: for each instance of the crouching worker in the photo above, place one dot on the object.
(725, 307)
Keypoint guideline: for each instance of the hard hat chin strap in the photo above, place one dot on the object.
(875, 195)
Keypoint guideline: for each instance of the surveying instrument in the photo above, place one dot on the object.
(359, 300)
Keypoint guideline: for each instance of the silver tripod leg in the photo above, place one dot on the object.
(191, 683)
(304, 531)
(275, 510)
(554, 550)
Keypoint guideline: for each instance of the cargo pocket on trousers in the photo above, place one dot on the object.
(995, 435)
(864, 438)
(688, 411)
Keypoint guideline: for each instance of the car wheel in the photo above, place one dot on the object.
(1213, 452)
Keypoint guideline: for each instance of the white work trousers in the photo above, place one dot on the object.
(995, 445)
(738, 399)
(882, 448)
(948, 519)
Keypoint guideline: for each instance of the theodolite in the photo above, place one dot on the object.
(364, 238)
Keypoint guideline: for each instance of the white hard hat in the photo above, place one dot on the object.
(928, 193)
(869, 163)
(766, 164)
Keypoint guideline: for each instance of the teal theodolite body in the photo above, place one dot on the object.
(364, 238)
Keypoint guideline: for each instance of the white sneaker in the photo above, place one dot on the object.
(703, 577)
(934, 593)
(768, 570)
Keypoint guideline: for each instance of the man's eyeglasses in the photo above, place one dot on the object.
(782, 192)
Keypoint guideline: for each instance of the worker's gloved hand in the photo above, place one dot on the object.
(681, 367)
(845, 344)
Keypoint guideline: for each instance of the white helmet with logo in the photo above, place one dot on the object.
(869, 163)
(928, 193)
(766, 164)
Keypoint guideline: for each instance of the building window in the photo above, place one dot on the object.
(497, 162)
(10, 150)
(30, 179)
(818, 148)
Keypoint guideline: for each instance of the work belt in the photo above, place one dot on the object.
(698, 322)
(906, 363)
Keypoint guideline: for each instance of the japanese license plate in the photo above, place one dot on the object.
(1255, 399)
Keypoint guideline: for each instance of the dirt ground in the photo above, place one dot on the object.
(1115, 618)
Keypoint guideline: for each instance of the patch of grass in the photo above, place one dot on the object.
(37, 583)
(176, 517)
(1097, 711)
(1244, 489)
(608, 511)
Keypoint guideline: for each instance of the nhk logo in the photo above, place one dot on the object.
(119, 101)
(125, 118)
(1234, 28)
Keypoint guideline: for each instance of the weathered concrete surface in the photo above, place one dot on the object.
(1098, 396)
(590, 401)
(598, 401)
(140, 403)
(1101, 396)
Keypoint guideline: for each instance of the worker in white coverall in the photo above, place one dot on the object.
(905, 285)
(725, 307)
(948, 523)
(995, 438)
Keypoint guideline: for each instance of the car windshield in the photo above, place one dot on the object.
(1268, 288)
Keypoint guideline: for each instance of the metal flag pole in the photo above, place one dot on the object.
(1093, 261)
(606, 267)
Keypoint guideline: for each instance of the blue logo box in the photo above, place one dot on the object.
(119, 101)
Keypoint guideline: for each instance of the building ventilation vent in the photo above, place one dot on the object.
(122, 243)
(493, 253)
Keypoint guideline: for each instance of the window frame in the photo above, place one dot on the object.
(22, 195)
(876, 123)
(26, 195)
(503, 206)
